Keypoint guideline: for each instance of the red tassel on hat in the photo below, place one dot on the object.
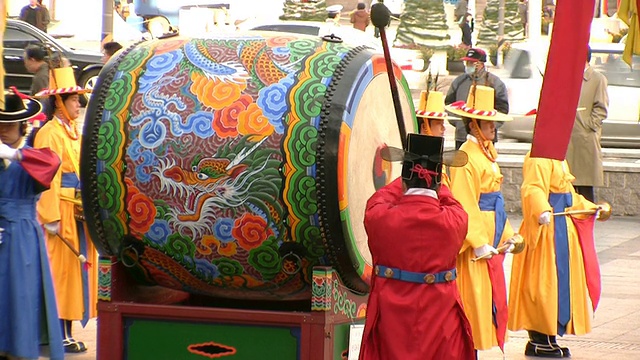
(36, 120)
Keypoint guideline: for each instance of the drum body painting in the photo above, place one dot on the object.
(231, 166)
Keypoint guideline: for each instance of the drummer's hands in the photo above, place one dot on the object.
(545, 218)
(484, 250)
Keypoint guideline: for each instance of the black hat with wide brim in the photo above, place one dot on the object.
(18, 109)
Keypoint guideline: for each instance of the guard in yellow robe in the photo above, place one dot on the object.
(477, 187)
(548, 291)
(75, 282)
(431, 118)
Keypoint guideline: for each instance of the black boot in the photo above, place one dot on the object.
(68, 342)
(565, 350)
(540, 345)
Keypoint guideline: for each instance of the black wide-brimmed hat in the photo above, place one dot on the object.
(17, 108)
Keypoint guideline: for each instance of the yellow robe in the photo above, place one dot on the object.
(533, 293)
(65, 266)
(480, 175)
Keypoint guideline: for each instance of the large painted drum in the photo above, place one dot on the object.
(231, 166)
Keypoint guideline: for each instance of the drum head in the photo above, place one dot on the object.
(368, 125)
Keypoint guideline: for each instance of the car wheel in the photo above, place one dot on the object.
(88, 81)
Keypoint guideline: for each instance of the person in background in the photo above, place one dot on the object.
(584, 153)
(477, 186)
(60, 213)
(360, 18)
(466, 25)
(47, 17)
(35, 15)
(108, 49)
(461, 10)
(333, 19)
(34, 61)
(376, 31)
(476, 73)
(523, 12)
(414, 310)
(27, 300)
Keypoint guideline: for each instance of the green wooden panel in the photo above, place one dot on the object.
(155, 339)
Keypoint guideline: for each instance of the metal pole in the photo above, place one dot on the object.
(500, 32)
(107, 21)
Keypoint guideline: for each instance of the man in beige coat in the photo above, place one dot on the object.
(584, 154)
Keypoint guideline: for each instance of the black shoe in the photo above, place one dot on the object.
(565, 350)
(542, 350)
(72, 346)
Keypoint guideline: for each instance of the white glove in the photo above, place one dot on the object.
(52, 227)
(485, 249)
(512, 241)
(8, 153)
(545, 218)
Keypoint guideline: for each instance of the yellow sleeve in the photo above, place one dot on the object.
(536, 181)
(465, 186)
(48, 206)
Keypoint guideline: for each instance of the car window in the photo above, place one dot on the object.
(616, 70)
(17, 39)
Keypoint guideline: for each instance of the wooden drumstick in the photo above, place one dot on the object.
(80, 257)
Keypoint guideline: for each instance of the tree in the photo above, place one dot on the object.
(423, 22)
(311, 10)
(513, 29)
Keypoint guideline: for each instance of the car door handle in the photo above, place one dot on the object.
(9, 57)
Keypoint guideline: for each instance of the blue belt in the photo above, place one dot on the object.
(415, 277)
(494, 201)
(15, 209)
(70, 180)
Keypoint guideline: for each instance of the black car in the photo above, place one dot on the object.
(19, 34)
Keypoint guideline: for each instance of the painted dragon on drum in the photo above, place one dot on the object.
(214, 183)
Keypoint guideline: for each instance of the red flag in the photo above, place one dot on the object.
(562, 79)
(584, 227)
(498, 292)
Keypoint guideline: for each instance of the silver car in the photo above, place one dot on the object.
(523, 71)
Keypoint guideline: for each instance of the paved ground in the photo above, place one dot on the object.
(616, 325)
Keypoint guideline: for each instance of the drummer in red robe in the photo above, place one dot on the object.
(416, 229)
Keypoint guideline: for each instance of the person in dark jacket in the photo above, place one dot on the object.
(476, 73)
(466, 25)
(360, 18)
(36, 15)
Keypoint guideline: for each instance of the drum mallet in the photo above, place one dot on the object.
(80, 257)
(380, 17)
